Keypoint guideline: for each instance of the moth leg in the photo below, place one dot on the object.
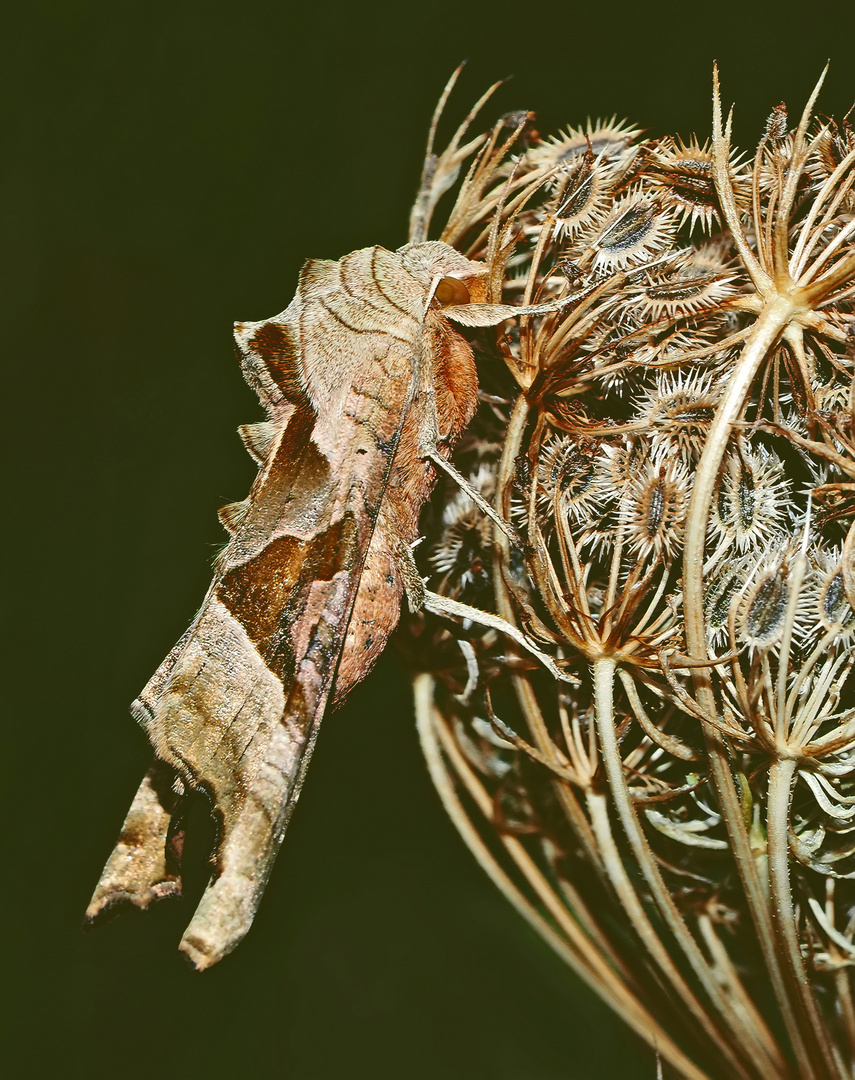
(145, 864)
(448, 608)
(429, 449)
(436, 457)
(414, 585)
(428, 424)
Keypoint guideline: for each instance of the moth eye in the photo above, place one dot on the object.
(451, 290)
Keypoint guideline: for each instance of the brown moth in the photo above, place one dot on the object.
(364, 379)
(367, 385)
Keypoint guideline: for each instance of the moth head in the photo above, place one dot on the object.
(433, 261)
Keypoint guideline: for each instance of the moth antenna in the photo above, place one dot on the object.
(259, 439)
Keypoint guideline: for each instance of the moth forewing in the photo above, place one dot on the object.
(353, 374)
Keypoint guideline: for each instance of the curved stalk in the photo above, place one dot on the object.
(522, 687)
(781, 778)
(647, 934)
(607, 854)
(568, 941)
(770, 324)
(757, 1043)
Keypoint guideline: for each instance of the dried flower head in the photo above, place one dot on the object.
(684, 172)
(646, 733)
(613, 142)
(636, 230)
(678, 412)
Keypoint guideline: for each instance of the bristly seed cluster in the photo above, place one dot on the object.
(674, 447)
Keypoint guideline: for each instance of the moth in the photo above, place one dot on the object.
(367, 383)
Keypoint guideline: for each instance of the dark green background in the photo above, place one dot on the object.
(167, 167)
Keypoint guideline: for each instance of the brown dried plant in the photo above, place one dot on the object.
(643, 721)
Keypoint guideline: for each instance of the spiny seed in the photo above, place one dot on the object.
(655, 506)
(637, 229)
(568, 472)
(719, 599)
(585, 193)
(691, 177)
(685, 174)
(747, 499)
(766, 609)
(673, 291)
(686, 290)
(654, 509)
(723, 504)
(573, 482)
(609, 142)
(776, 125)
(834, 604)
(751, 499)
(618, 465)
(578, 194)
(679, 410)
(678, 413)
(630, 230)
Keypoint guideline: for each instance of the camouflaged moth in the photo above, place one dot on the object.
(367, 384)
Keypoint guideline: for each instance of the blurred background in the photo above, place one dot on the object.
(167, 169)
